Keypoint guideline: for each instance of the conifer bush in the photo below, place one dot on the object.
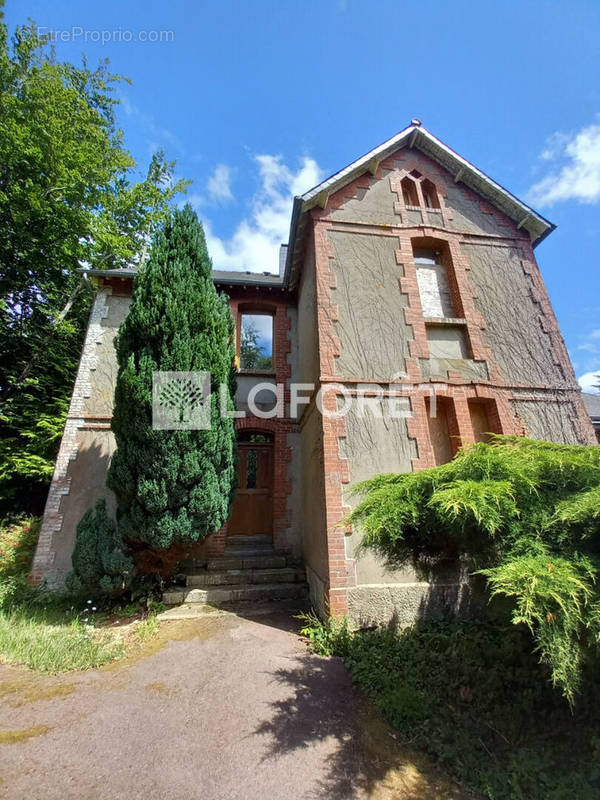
(173, 485)
(99, 562)
(523, 513)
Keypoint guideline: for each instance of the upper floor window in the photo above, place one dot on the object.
(434, 286)
(409, 192)
(256, 341)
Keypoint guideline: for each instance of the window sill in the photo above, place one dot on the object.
(445, 321)
(261, 373)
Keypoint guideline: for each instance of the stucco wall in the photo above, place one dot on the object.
(374, 445)
(104, 375)
(370, 324)
(374, 204)
(87, 443)
(549, 420)
(521, 347)
(308, 360)
(314, 534)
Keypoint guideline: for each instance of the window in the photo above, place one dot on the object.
(409, 192)
(430, 194)
(256, 341)
(251, 469)
(443, 428)
(434, 286)
(484, 419)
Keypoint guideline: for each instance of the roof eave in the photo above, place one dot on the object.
(416, 136)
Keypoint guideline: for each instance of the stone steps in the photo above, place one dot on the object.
(245, 576)
(246, 561)
(257, 540)
(221, 595)
(249, 571)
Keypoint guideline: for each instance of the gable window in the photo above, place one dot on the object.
(409, 192)
(430, 194)
(256, 341)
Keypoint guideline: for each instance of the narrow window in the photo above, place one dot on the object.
(409, 192)
(484, 419)
(430, 194)
(443, 428)
(256, 342)
(434, 286)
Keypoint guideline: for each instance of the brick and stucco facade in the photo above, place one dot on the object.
(354, 318)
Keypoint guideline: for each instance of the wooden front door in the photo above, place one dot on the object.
(252, 510)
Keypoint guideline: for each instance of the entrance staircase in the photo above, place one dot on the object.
(249, 571)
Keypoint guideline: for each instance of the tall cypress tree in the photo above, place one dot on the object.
(173, 485)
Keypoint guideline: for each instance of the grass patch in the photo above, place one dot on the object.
(31, 639)
(53, 633)
(473, 696)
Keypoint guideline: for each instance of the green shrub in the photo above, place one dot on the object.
(474, 696)
(526, 515)
(18, 538)
(99, 562)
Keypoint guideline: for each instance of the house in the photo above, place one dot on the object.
(410, 304)
(592, 405)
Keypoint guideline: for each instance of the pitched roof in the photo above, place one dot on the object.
(592, 404)
(415, 135)
(220, 276)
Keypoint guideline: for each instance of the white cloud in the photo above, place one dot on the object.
(254, 245)
(158, 137)
(219, 184)
(588, 382)
(576, 168)
(195, 200)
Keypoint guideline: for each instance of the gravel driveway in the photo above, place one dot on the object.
(220, 708)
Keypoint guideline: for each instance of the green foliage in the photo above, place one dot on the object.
(67, 198)
(551, 597)
(18, 539)
(526, 514)
(476, 698)
(99, 562)
(325, 638)
(173, 485)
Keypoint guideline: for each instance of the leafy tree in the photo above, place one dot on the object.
(526, 515)
(173, 485)
(67, 199)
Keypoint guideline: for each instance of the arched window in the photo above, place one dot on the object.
(430, 194)
(409, 192)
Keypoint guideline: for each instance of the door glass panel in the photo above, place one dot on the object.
(252, 469)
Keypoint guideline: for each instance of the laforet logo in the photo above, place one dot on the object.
(181, 396)
(181, 400)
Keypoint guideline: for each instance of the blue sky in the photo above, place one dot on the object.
(258, 100)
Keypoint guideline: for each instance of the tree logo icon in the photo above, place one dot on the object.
(181, 400)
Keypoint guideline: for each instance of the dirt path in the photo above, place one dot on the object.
(220, 708)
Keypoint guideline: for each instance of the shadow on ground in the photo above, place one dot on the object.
(367, 759)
